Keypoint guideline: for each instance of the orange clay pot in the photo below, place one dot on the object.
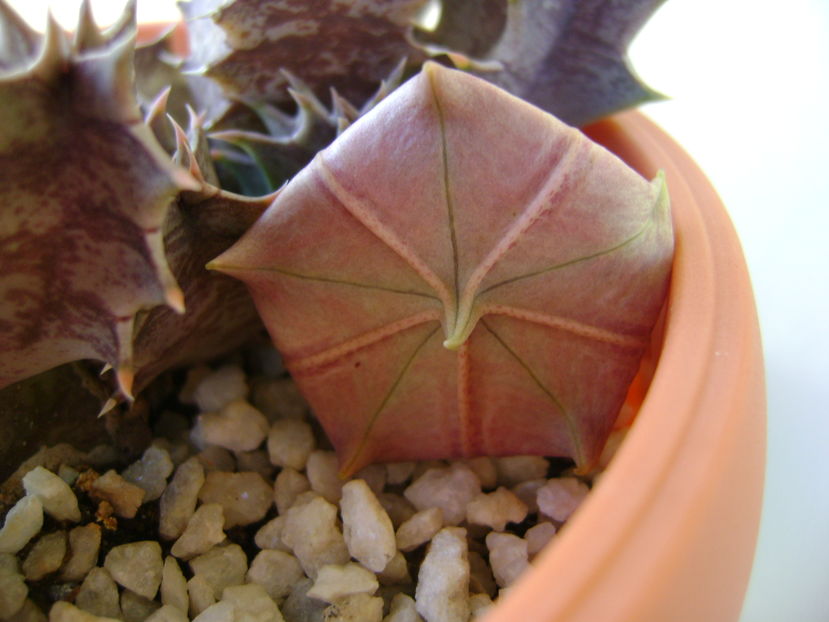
(669, 531)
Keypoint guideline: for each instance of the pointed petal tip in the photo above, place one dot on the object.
(184, 180)
(107, 406)
(175, 299)
(125, 377)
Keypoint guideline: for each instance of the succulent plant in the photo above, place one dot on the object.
(110, 211)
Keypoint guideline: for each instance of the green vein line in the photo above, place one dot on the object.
(325, 279)
(571, 425)
(648, 224)
(450, 208)
(386, 398)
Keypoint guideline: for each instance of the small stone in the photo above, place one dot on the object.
(168, 613)
(256, 460)
(356, 608)
(335, 581)
(312, 533)
(84, 544)
(279, 398)
(397, 507)
(528, 493)
(538, 536)
(98, 594)
(63, 611)
(402, 609)
(374, 475)
(419, 529)
(219, 388)
(442, 593)
(244, 497)
(367, 528)
(217, 612)
(46, 556)
(484, 468)
(23, 521)
(399, 472)
(124, 497)
(560, 497)
(480, 576)
(174, 585)
(178, 502)
(215, 458)
(136, 608)
(68, 474)
(276, 571)
(195, 376)
(136, 566)
(396, 571)
(221, 567)
(508, 557)
(201, 595)
(322, 471)
(290, 442)
(479, 604)
(29, 612)
(13, 590)
(513, 470)
(238, 426)
(150, 472)
(251, 603)
(204, 530)
(299, 608)
(449, 488)
(269, 535)
(289, 484)
(496, 509)
(55, 495)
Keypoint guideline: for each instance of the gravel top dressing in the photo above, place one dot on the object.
(238, 513)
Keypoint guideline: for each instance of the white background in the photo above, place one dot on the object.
(749, 82)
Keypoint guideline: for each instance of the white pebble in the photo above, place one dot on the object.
(150, 472)
(55, 495)
(367, 528)
(312, 533)
(136, 566)
(200, 595)
(442, 593)
(290, 442)
(219, 388)
(528, 492)
(269, 535)
(496, 509)
(287, 486)
(221, 566)
(484, 468)
(538, 536)
(46, 556)
(238, 426)
(322, 471)
(13, 589)
(399, 472)
(174, 585)
(203, 531)
(374, 475)
(98, 594)
(84, 543)
(513, 470)
(508, 556)
(396, 571)
(560, 497)
(168, 613)
(124, 497)
(29, 612)
(136, 608)
(449, 488)
(23, 521)
(355, 608)
(398, 507)
(336, 581)
(63, 611)
(251, 603)
(244, 497)
(419, 529)
(276, 571)
(402, 609)
(178, 502)
(217, 612)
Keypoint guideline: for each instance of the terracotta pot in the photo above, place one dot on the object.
(668, 533)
